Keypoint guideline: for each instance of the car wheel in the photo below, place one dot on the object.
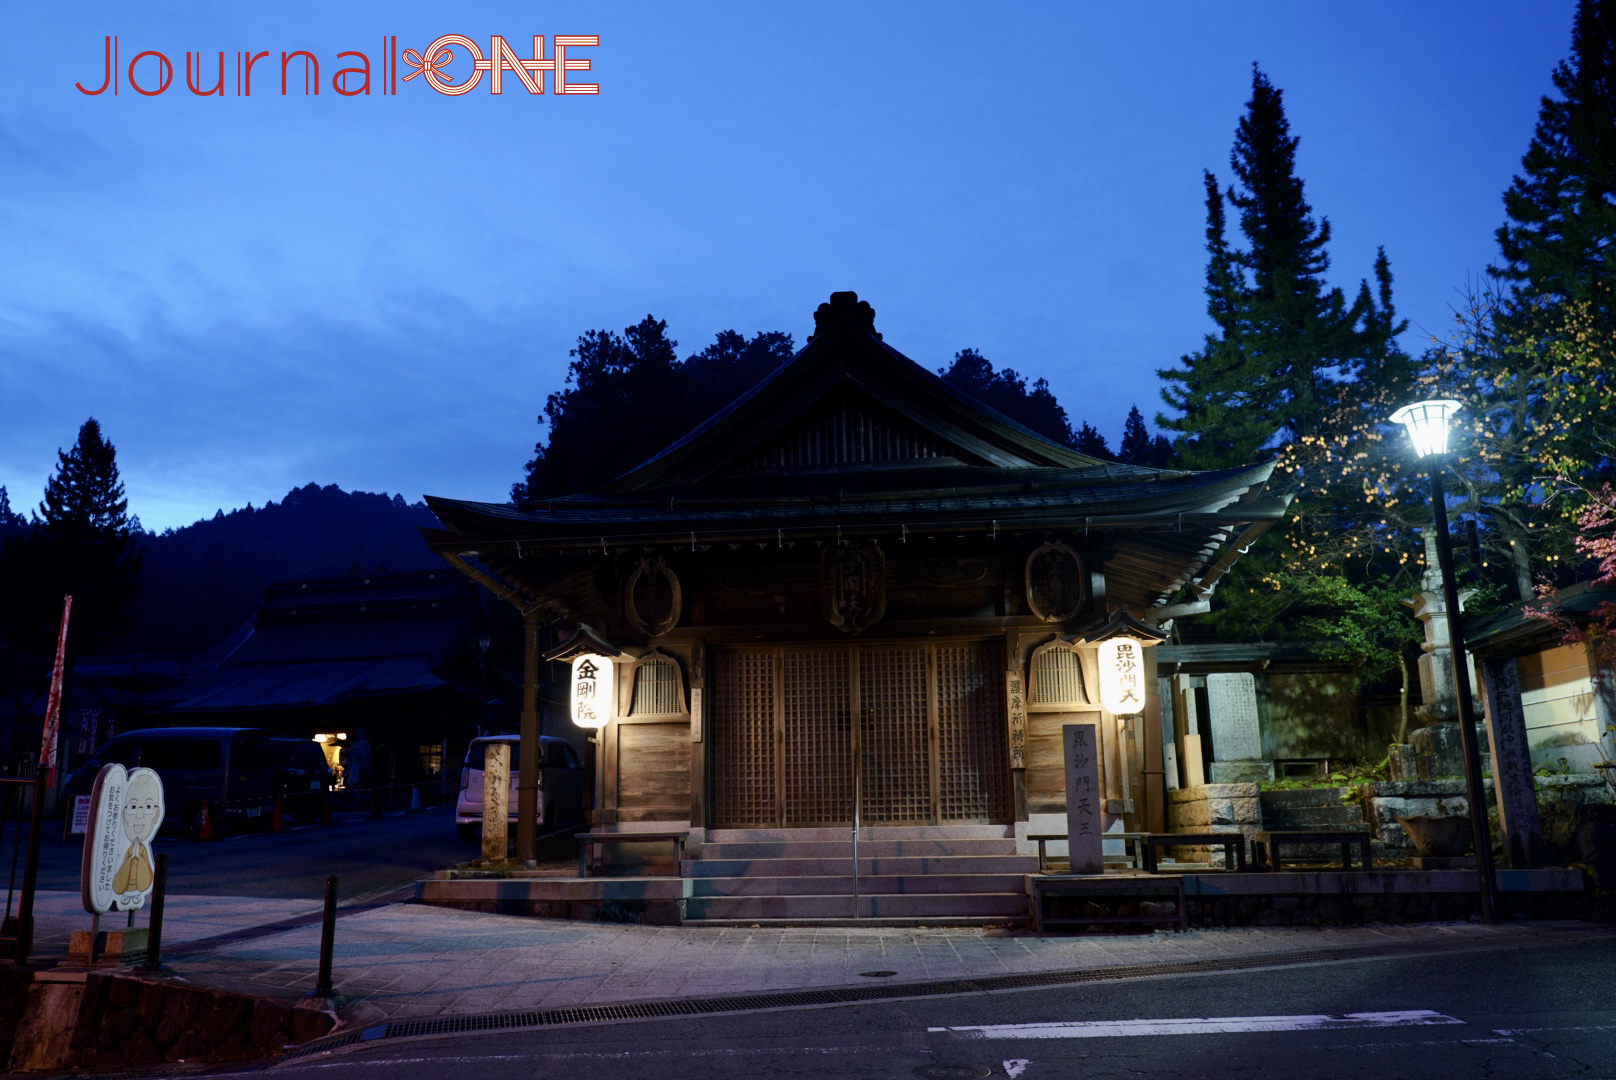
(466, 831)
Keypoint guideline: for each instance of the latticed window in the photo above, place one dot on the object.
(658, 690)
(1057, 677)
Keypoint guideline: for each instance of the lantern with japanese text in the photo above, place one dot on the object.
(593, 687)
(1122, 674)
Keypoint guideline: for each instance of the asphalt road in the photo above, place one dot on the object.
(370, 856)
(1547, 1013)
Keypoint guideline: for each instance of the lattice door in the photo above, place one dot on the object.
(973, 773)
(932, 735)
(743, 734)
(816, 712)
(896, 738)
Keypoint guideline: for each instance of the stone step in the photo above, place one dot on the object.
(896, 865)
(1312, 817)
(842, 885)
(877, 832)
(951, 905)
(843, 849)
(1287, 798)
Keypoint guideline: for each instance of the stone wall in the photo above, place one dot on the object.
(112, 1020)
(1219, 808)
(1385, 801)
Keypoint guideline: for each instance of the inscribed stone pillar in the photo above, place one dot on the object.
(496, 797)
(1084, 823)
(1513, 786)
(1236, 736)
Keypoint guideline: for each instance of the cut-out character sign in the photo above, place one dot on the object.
(126, 810)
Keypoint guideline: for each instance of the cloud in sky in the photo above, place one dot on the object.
(253, 293)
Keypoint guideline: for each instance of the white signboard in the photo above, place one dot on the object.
(1084, 823)
(81, 815)
(126, 809)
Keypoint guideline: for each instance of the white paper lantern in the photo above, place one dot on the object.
(1122, 675)
(593, 687)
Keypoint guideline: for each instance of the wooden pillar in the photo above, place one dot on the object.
(1513, 787)
(1151, 811)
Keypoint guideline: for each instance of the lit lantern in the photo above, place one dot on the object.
(1427, 424)
(592, 689)
(1122, 674)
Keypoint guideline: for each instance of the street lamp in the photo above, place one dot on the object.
(1427, 424)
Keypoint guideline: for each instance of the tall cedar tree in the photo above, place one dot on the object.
(1138, 447)
(1560, 242)
(80, 544)
(1284, 342)
(1290, 367)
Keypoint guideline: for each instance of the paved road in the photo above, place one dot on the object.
(369, 855)
(1544, 1013)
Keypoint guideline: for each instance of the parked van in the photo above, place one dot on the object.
(231, 770)
(561, 783)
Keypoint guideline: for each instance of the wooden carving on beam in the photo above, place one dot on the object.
(1056, 582)
(651, 599)
(853, 582)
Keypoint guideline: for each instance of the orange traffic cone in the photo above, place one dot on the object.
(276, 822)
(205, 829)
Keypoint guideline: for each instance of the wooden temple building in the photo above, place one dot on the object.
(857, 579)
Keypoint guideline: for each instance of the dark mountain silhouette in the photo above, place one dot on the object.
(204, 580)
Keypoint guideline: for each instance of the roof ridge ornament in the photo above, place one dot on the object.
(844, 309)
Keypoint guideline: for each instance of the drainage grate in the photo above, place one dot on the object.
(595, 1014)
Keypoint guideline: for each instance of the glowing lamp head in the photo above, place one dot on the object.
(1122, 674)
(1427, 424)
(593, 700)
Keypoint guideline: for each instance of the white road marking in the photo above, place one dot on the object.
(1014, 1067)
(1536, 1030)
(1105, 1029)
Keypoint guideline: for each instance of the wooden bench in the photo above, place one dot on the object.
(1233, 845)
(591, 843)
(1114, 889)
(1129, 840)
(1273, 840)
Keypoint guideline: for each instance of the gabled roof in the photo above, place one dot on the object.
(851, 439)
(845, 363)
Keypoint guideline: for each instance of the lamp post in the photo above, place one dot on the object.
(1427, 424)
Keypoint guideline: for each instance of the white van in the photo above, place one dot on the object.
(561, 783)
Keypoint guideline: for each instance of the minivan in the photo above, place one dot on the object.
(231, 770)
(561, 783)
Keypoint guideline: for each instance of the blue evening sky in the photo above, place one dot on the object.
(252, 293)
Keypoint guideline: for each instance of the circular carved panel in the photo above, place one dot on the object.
(651, 599)
(1057, 585)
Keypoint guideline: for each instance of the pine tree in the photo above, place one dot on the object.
(1560, 241)
(1006, 391)
(80, 544)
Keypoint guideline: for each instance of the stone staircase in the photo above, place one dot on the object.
(958, 875)
(1314, 808)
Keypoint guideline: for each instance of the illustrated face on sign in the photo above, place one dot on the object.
(141, 807)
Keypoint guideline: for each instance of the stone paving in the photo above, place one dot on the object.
(407, 961)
